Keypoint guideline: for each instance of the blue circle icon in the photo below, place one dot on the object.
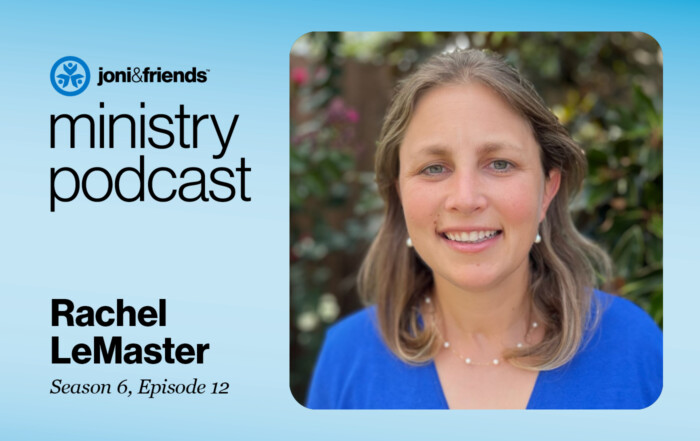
(70, 76)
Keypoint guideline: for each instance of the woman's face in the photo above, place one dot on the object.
(472, 187)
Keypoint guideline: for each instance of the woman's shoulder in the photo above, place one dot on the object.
(359, 323)
(619, 318)
(354, 340)
(619, 365)
(355, 369)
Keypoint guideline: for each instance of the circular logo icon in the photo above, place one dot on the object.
(70, 76)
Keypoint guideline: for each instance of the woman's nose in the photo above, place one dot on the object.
(466, 193)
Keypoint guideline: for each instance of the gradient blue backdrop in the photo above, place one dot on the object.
(224, 267)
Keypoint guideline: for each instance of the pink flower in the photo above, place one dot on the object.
(299, 76)
(352, 115)
(336, 107)
(339, 112)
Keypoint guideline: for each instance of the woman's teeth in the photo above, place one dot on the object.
(472, 236)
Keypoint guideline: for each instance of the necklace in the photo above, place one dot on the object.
(468, 360)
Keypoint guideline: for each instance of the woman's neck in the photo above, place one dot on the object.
(493, 313)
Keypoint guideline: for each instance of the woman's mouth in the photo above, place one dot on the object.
(471, 237)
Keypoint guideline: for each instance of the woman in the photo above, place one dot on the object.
(482, 285)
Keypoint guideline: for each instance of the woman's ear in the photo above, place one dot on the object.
(551, 187)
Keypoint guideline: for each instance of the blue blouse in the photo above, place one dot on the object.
(620, 367)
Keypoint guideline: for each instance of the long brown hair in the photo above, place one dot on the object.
(563, 268)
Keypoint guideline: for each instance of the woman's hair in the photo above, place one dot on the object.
(563, 267)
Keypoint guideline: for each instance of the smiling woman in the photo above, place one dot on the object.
(484, 289)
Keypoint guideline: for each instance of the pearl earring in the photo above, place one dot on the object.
(538, 238)
(409, 243)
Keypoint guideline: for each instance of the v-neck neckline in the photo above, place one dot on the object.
(443, 400)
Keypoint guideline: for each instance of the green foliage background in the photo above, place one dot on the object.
(606, 88)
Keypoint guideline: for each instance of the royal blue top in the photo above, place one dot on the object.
(620, 367)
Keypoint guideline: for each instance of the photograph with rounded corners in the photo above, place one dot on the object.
(476, 220)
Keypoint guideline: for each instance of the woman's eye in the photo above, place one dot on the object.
(435, 169)
(501, 165)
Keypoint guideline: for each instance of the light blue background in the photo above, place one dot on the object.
(224, 267)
